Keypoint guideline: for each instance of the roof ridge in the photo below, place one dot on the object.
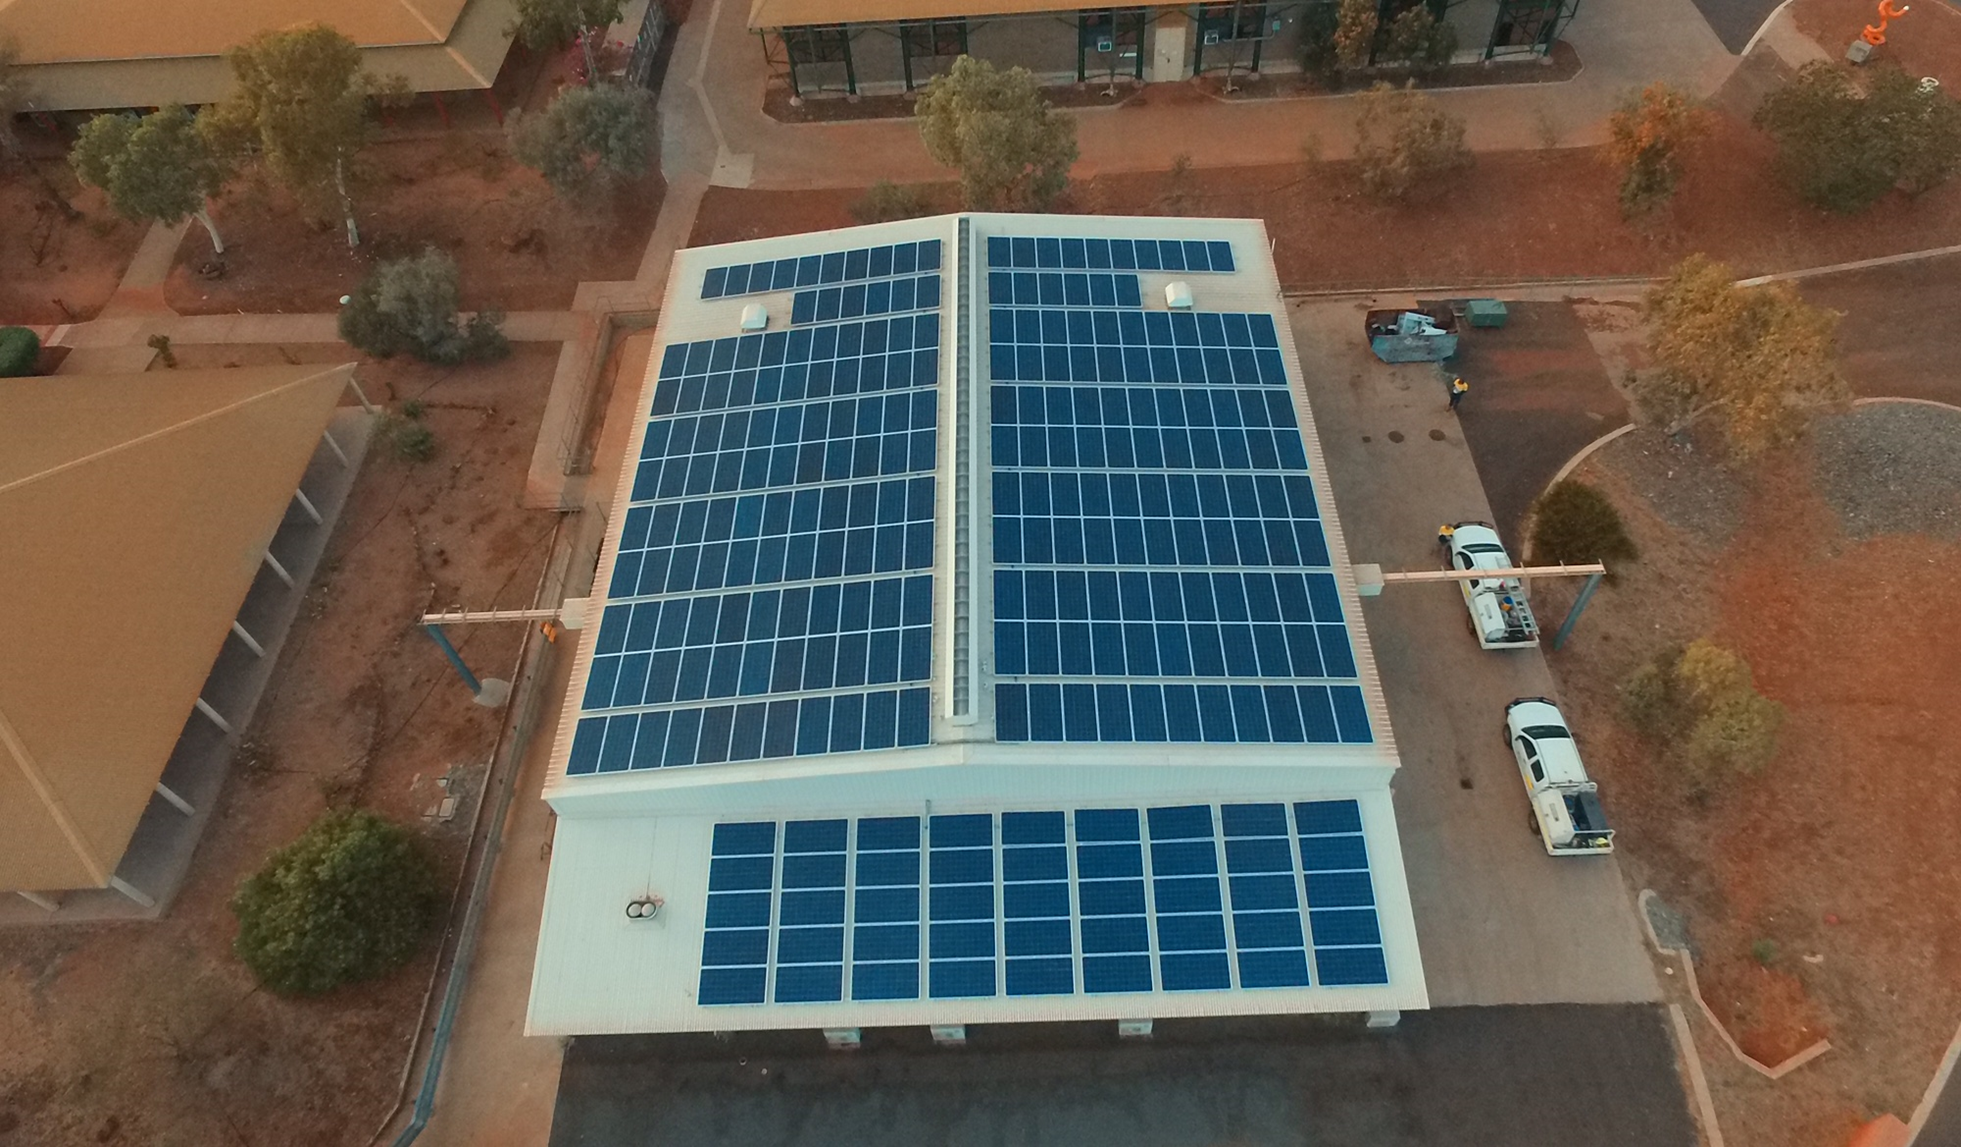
(409, 5)
(160, 432)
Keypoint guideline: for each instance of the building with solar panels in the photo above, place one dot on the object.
(975, 643)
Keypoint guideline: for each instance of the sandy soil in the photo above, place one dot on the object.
(55, 270)
(1840, 853)
(154, 1033)
(1498, 223)
(519, 247)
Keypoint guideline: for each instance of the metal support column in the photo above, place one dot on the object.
(490, 693)
(205, 708)
(1579, 605)
(251, 643)
(281, 571)
(306, 504)
(176, 802)
(335, 447)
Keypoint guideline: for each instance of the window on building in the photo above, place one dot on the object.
(935, 37)
(818, 44)
(1241, 21)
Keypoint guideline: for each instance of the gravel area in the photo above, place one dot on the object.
(1685, 486)
(1671, 927)
(1892, 468)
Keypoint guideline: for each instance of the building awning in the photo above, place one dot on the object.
(135, 511)
(767, 14)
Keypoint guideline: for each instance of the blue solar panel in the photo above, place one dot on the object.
(1176, 448)
(795, 468)
(813, 270)
(1096, 901)
(855, 301)
(1123, 254)
(1341, 903)
(1065, 289)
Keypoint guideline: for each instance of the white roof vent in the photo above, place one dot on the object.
(1178, 295)
(755, 318)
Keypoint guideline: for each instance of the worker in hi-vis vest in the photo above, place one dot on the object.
(1458, 389)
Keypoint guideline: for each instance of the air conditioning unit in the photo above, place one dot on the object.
(754, 317)
(1178, 295)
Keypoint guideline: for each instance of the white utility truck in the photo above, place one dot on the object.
(1566, 810)
(1500, 616)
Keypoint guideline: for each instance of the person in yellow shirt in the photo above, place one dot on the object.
(1458, 389)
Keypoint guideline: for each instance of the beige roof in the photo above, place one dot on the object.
(145, 53)
(795, 13)
(135, 510)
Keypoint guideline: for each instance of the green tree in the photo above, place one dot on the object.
(1355, 27)
(1704, 701)
(1405, 144)
(1842, 148)
(352, 898)
(1574, 523)
(1418, 38)
(408, 306)
(158, 167)
(301, 104)
(1645, 139)
(543, 24)
(1011, 148)
(589, 138)
(1758, 360)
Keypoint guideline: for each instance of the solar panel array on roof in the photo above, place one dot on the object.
(770, 593)
(1024, 252)
(853, 266)
(1160, 568)
(1041, 903)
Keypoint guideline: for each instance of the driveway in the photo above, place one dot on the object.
(1499, 921)
(1735, 21)
(1472, 1077)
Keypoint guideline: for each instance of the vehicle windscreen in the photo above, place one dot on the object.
(1547, 733)
(1482, 548)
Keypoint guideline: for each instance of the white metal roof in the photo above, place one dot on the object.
(626, 834)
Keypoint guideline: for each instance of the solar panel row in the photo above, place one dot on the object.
(787, 445)
(813, 270)
(1203, 430)
(786, 535)
(1187, 898)
(885, 297)
(1179, 713)
(1169, 350)
(667, 738)
(1160, 519)
(1065, 289)
(1103, 254)
(809, 362)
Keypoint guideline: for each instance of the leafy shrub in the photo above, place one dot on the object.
(1842, 148)
(1354, 37)
(408, 306)
(1646, 135)
(1574, 523)
(1764, 952)
(886, 201)
(352, 898)
(1702, 701)
(1418, 38)
(1405, 143)
(1320, 55)
(20, 351)
(413, 442)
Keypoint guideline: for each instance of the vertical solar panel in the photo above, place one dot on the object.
(770, 592)
(1036, 942)
(1191, 930)
(1115, 922)
(1340, 897)
(735, 935)
(1161, 571)
(885, 910)
(1266, 915)
(961, 906)
(810, 913)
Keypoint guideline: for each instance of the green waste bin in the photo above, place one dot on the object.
(1485, 312)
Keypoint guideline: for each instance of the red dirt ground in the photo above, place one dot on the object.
(1841, 852)
(519, 247)
(1514, 215)
(54, 270)
(153, 1033)
(1926, 41)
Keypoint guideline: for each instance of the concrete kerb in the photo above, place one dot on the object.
(1705, 1104)
(1925, 1109)
(1688, 972)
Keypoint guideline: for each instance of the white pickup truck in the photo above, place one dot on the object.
(1500, 616)
(1566, 810)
